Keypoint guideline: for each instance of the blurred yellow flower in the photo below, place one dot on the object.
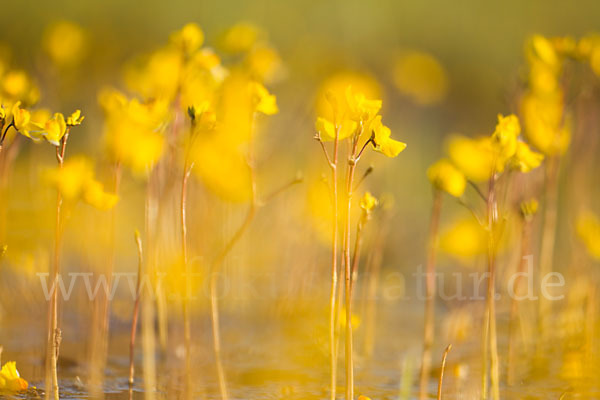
(368, 203)
(546, 127)
(10, 379)
(421, 77)
(445, 176)
(240, 38)
(75, 180)
(263, 63)
(525, 159)
(188, 39)
(264, 102)
(464, 239)
(505, 135)
(65, 43)
(474, 157)
(326, 129)
(335, 87)
(54, 129)
(588, 230)
(529, 208)
(358, 107)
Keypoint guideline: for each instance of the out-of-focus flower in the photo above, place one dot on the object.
(445, 176)
(361, 397)
(188, 39)
(335, 87)
(263, 63)
(368, 203)
(326, 129)
(75, 180)
(54, 129)
(65, 43)
(10, 380)
(546, 128)
(240, 38)
(588, 230)
(358, 107)
(133, 130)
(529, 208)
(421, 77)
(474, 157)
(464, 239)
(16, 85)
(525, 159)
(505, 135)
(264, 102)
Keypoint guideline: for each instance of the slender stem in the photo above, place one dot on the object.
(514, 306)
(348, 273)
(136, 308)
(54, 333)
(430, 284)
(548, 235)
(439, 393)
(186, 306)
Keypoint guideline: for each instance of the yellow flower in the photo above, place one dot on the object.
(368, 203)
(326, 129)
(331, 92)
(421, 77)
(358, 107)
(529, 208)
(263, 63)
(94, 195)
(240, 38)
(21, 118)
(10, 379)
(464, 239)
(264, 102)
(526, 159)
(539, 48)
(505, 135)
(54, 129)
(65, 43)
(588, 230)
(189, 38)
(445, 176)
(546, 127)
(75, 119)
(383, 143)
(474, 157)
(361, 397)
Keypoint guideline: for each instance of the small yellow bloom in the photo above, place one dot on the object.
(326, 129)
(526, 159)
(10, 379)
(464, 239)
(359, 108)
(588, 230)
(240, 38)
(445, 176)
(331, 92)
(383, 142)
(189, 38)
(65, 43)
(264, 102)
(506, 133)
(263, 62)
(368, 203)
(361, 397)
(54, 129)
(75, 119)
(21, 117)
(94, 195)
(476, 158)
(421, 77)
(529, 208)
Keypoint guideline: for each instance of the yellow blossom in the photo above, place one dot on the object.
(54, 129)
(326, 129)
(65, 43)
(546, 127)
(264, 102)
(358, 108)
(240, 38)
(94, 195)
(383, 143)
(477, 158)
(331, 92)
(445, 176)
(506, 133)
(464, 239)
(263, 63)
(525, 159)
(21, 117)
(368, 203)
(588, 230)
(421, 77)
(10, 379)
(75, 119)
(189, 38)
(529, 208)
